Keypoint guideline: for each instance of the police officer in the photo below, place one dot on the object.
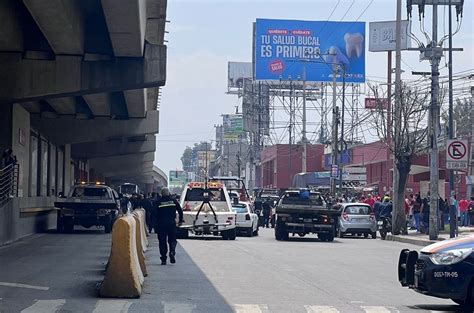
(165, 224)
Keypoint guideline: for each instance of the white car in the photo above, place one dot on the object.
(247, 220)
(207, 210)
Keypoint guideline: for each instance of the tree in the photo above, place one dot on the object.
(404, 138)
(187, 159)
(462, 116)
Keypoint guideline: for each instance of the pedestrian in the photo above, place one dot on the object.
(442, 209)
(8, 158)
(425, 214)
(463, 210)
(471, 211)
(417, 211)
(370, 201)
(266, 213)
(147, 205)
(165, 224)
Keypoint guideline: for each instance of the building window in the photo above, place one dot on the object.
(33, 188)
(44, 168)
(60, 170)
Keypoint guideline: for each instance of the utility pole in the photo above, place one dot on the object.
(434, 109)
(389, 114)
(397, 194)
(341, 167)
(303, 139)
(434, 52)
(335, 117)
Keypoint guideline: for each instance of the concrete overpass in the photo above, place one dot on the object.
(78, 99)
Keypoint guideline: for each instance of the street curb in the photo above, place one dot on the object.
(413, 241)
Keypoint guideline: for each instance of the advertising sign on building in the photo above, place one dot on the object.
(233, 127)
(203, 155)
(286, 49)
(457, 155)
(382, 36)
(237, 72)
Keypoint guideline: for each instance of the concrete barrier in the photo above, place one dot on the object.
(141, 215)
(123, 278)
(140, 243)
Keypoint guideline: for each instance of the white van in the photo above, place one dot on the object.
(207, 211)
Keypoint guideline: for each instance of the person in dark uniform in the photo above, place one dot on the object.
(267, 210)
(146, 203)
(165, 224)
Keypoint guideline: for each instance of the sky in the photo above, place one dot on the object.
(204, 35)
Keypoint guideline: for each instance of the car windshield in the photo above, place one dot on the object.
(198, 194)
(128, 189)
(239, 208)
(300, 198)
(358, 210)
(82, 192)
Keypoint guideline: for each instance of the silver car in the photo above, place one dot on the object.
(357, 219)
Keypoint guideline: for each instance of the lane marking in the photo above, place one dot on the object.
(377, 309)
(320, 309)
(174, 307)
(45, 306)
(107, 306)
(15, 285)
(250, 308)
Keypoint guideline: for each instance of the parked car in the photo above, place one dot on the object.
(443, 269)
(247, 220)
(356, 219)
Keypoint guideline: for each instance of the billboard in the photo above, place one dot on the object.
(177, 179)
(382, 36)
(237, 72)
(233, 127)
(289, 49)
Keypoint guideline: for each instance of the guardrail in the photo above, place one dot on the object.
(9, 176)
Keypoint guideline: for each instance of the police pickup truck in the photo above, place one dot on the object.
(303, 212)
(88, 205)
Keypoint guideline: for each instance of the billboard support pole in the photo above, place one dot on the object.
(389, 115)
(303, 139)
(341, 166)
(334, 124)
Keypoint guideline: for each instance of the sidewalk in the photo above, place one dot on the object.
(423, 240)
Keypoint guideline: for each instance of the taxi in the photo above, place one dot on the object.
(444, 269)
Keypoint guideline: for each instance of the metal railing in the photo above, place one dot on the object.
(9, 176)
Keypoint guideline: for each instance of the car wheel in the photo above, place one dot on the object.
(255, 233)
(249, 232)
(340, 234)
(59, 224)
(108, 227)
(330, 237)
(68, 226)
(374, 235)
(232, 234)
(280, 231)
(366, 235)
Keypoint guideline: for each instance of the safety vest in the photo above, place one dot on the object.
(166, 204)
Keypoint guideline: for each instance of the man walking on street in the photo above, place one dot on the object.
(165, 224)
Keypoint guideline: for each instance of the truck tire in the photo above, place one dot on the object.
(182, 233)
(249, 232)
(229, 234)
(330, 237)
(280, 231)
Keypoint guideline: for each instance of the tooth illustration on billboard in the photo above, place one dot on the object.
(291, 49)
(354, 44)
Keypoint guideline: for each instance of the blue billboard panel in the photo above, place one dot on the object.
(287, 49)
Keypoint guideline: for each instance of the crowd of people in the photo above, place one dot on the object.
(417, 209)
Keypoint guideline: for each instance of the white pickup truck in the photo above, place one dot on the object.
(207, 211)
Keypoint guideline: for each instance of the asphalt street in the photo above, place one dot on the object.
(61, 272)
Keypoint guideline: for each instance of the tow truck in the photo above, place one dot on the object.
(207, 210)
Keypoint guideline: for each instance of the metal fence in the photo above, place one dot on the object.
(8, 183)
